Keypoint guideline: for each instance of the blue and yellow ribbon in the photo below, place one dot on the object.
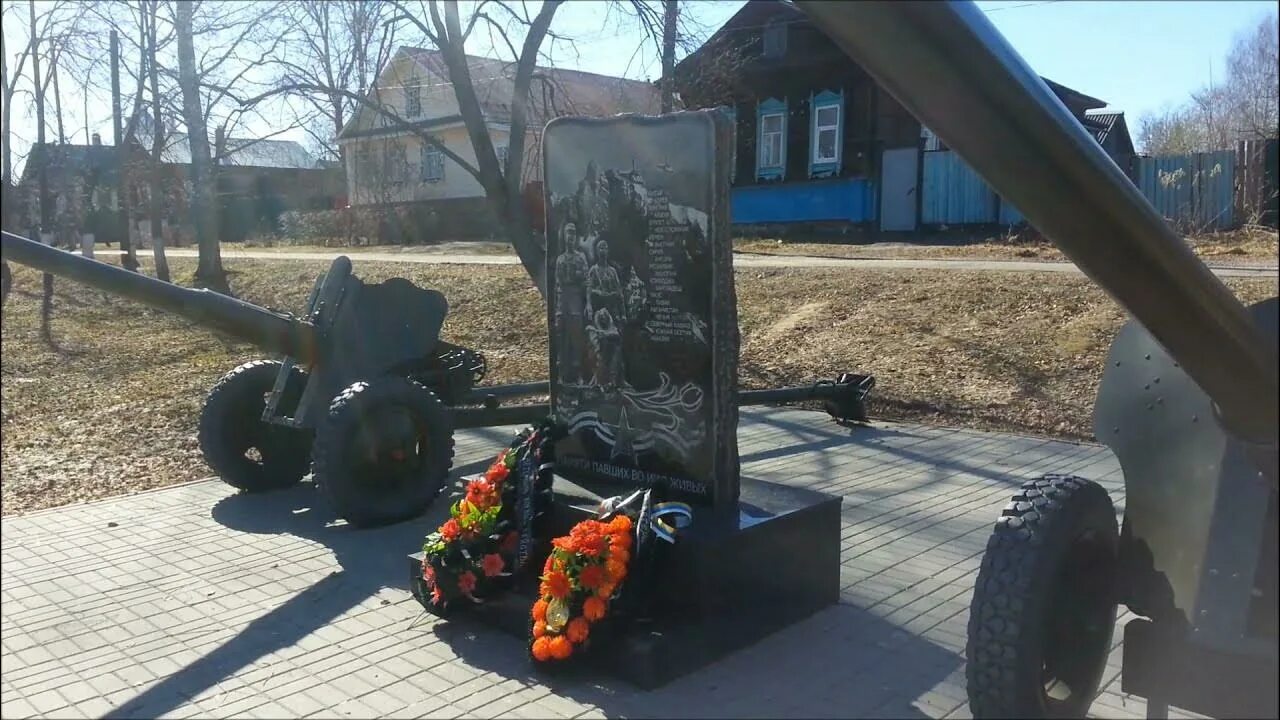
(668, 518)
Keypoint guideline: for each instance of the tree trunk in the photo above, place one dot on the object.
(507, 203)
(671, 15)
(42, 179)
(157, 144)
(6, 165)
(209, 271)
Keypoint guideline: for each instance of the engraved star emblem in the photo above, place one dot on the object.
(622, 439)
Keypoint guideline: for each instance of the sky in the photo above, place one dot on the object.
(1137, 56)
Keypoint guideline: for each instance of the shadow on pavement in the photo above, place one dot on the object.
(369, 560)
(841, 662)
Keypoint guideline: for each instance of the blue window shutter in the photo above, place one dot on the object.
(826, 165)
(771, 160)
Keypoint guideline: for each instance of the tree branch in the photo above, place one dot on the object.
(399, 123)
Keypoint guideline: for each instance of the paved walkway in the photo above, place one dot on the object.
(741, 260)
(196, 602)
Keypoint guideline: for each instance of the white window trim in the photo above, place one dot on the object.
(429, 151)
(409, 109)
(817, 129)
(782, 141)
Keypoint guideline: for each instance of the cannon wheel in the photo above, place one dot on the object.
(242, 449)
(1045, 603)
(384, 451)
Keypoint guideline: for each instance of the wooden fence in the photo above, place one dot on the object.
(1195, 193)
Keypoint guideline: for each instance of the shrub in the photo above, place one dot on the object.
(411, 224)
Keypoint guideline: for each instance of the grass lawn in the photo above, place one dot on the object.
(113, 408)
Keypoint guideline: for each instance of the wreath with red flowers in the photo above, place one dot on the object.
(473, 555)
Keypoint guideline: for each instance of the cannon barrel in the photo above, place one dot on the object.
(952, 69)
(271, 331)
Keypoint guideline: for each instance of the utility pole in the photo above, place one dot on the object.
(151, 9)
(128, 259)
(671, 15)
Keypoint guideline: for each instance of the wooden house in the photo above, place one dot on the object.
(389, 166)
(818, 141)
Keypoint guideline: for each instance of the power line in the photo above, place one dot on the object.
(1023, 5)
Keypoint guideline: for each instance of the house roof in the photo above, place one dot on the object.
(554, 91)
(1101, 123)
(99, 161)
(557, 91)
(246, 152)
(267, 153)
(755, 13)
(1068, 95)
(1108, 124)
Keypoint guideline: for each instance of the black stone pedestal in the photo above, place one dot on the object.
(732, 579)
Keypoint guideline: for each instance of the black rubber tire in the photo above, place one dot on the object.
(351, 489)
(231, 425)
(1045, 602)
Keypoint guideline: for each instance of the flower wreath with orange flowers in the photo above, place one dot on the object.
(491, 529)
(584, 576)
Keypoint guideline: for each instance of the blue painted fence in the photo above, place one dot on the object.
(850, 199)
(1194, 192)
(955, 194)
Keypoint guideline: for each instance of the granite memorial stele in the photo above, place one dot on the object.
(642, 316)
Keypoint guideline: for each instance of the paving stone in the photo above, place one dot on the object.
(289, 620)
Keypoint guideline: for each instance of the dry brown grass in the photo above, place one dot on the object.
(476, 247)
(1247, 246)
(115, 409)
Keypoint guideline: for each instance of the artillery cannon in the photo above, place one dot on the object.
(1188, 404)
(367, 395)
(360, 394)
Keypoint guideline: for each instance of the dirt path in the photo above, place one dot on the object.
(740, 260)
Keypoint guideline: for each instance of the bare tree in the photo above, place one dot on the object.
(51, 30)
(150, 17)
(501, 185)
(518, 33)
(128, 22)
(1245, 106)
(337, 45)
(203, 182)
(671, 19)
(9, 88)
(1254, 99)
(443, 28)
(42, 177)
(1171, 131)
(221, 45)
